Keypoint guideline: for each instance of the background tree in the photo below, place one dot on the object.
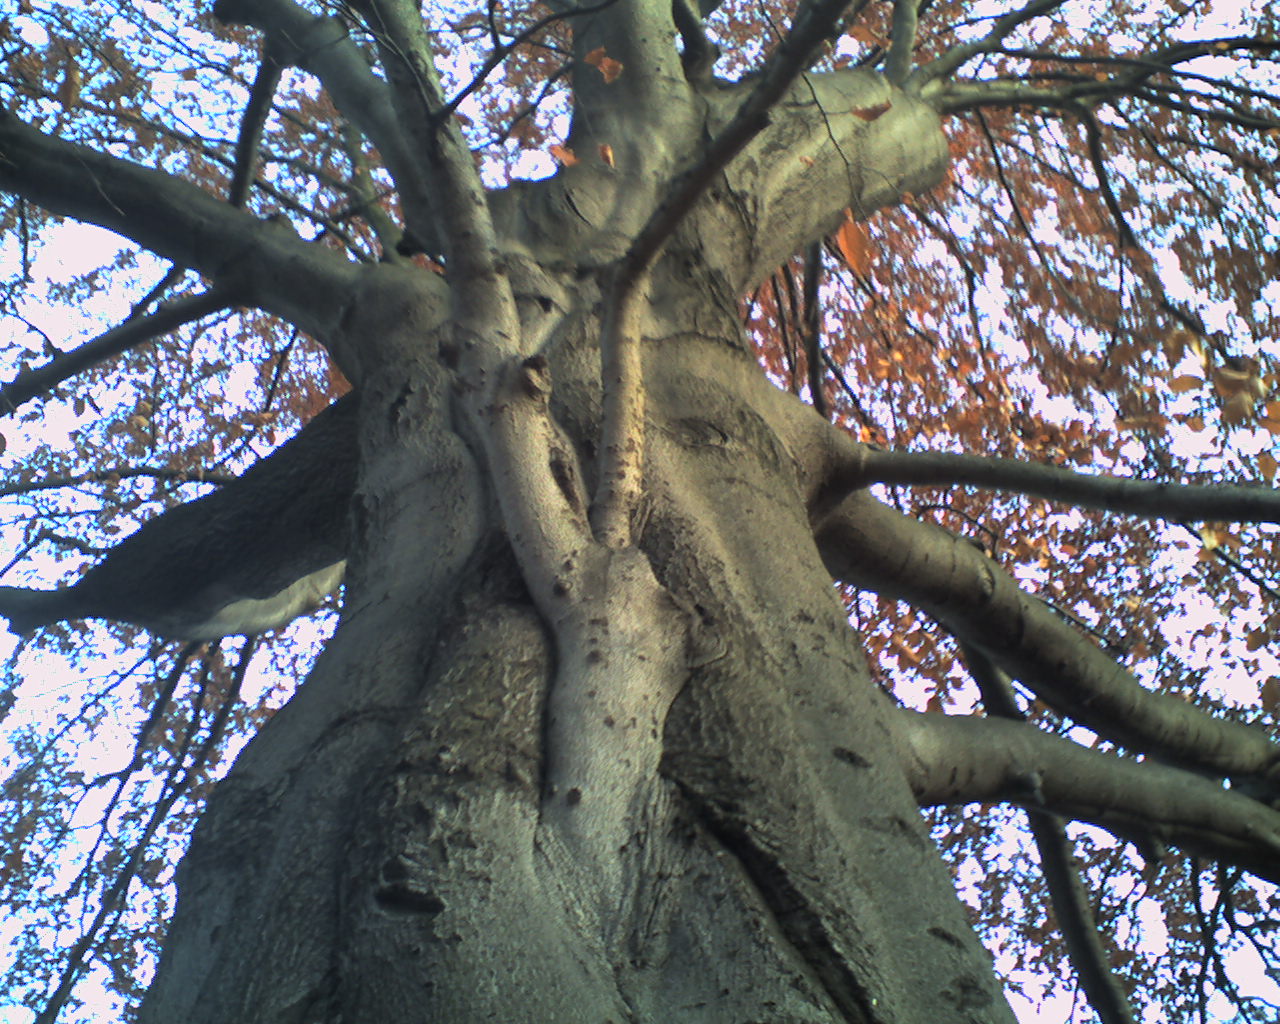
(594, 738)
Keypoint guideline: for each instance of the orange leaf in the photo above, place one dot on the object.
(609, 68)
(854, 244)
(564, 154)
(1267, 463)
(606, 153)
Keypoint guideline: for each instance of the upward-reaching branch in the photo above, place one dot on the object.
(623, 448)
(906, 15)
(483, 307)
(321, 46)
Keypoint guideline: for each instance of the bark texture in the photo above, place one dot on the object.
(387, 849)
(679, 799)
(594, 740)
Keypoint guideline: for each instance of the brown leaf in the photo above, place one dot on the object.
(564, 154)
(854, 244)
(870, 113)
(609, 68)
(1271, 695)
(69, 87)
(606, 154)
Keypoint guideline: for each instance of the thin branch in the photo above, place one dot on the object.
(102, 476)
(1066, 888)
(177, 785)
(501, 51)
(947, 64)
(112, 343)
(1152, 499)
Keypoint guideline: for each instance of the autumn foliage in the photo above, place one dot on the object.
(1093, 287)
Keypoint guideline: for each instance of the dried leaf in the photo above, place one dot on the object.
(1271, 695)
(564, 154)
(609, 68)
(606, 154)
(870, 113)
(854, 244)
(69, 87)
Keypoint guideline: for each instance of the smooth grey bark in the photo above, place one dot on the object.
(535, 778)
(541, 777)
(400, 842)
(383, 850)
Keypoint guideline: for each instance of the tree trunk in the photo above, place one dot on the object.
(394, 846)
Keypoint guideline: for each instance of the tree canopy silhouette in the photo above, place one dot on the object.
(735, 428)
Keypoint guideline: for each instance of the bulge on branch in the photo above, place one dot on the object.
(246, 558)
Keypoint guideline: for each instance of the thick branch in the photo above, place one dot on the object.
(112, 343)
(1223, 502)
(322, 47)
(484, 311)
(840, 140)
(866, 543)
(244, 558)
(955, 760)
(813, 25)
(305, 284)
(637, 34)
(902, 40)
(620, 480)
